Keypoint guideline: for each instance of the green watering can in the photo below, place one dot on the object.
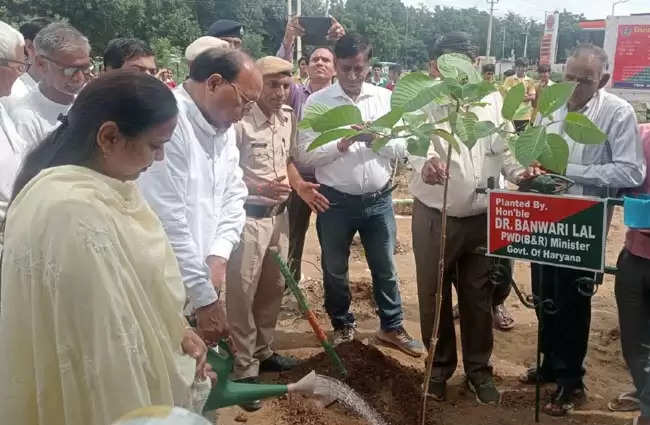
(228, 393)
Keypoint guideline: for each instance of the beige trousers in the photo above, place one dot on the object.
(254, 288)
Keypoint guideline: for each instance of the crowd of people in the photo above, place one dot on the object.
(140, 219)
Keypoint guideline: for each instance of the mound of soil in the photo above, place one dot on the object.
(394, 391)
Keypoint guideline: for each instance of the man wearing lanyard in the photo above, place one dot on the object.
(356, 181)
(600, 171)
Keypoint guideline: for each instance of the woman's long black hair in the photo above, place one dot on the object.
(135, 101)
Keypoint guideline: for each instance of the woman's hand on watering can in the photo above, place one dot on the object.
(194, 347)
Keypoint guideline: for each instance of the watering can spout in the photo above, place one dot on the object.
(312, 386)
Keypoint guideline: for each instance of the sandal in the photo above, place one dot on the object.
(625, 402)
(564, 401)
(503, 321)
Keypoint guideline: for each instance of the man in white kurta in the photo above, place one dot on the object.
(198, 191)
(63, 56)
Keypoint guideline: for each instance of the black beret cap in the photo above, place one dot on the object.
(226, 28)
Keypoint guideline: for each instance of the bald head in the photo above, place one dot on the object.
(587, 67)
(592, 53)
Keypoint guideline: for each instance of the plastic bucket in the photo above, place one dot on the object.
(636, 211)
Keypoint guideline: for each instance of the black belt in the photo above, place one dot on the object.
(264, 211)
(365, 196)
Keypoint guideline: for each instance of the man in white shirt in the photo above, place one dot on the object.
(12, 65)
(600, 171)
(29, 80)
(356, 181)
(62, 58)
(466, 231)
(198, 191)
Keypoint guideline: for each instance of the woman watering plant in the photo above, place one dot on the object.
(91, 322)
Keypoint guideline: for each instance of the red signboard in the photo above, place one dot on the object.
(567, 231)
(632, 58)
(549, 39)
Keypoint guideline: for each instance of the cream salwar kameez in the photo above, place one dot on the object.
(91, 309)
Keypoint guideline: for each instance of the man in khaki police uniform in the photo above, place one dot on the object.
(265, 137)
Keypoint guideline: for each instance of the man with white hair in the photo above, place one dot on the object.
(12, 65)
(63, 59)
(29, 80)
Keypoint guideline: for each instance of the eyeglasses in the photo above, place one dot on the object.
(22, 66)
(69, 71)
(245, 102)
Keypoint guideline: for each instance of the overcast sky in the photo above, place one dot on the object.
(592, 9)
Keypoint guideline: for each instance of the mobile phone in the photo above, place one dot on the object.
(316, 29)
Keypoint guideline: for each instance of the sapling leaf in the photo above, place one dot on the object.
(554, 97)
(414, 118)
(337, 117)
(529, 145)
(330, 135)
(580, 128)
(475, 92)
(470, 130)
(438, 93)
(388, 120)
(418, 146)
(409, 87)
(312, 112)
(456, 66)
(523, 112)
(511, 102)
(449, 138)
(556, 155)
(380, 143)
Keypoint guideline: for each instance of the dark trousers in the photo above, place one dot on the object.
(299, 215)
(374, 219)
(470, 272)
(633, 300)
(565, 326)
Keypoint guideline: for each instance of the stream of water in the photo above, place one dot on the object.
(333, 388)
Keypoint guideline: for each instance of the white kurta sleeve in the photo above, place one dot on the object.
(233, 216)
(164, 186)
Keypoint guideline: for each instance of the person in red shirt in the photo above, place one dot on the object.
(394, 74)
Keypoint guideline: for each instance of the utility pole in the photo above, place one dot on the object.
(526, 41)
(299, 40)
(489, 37)
(503, 54)
(615, 3)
